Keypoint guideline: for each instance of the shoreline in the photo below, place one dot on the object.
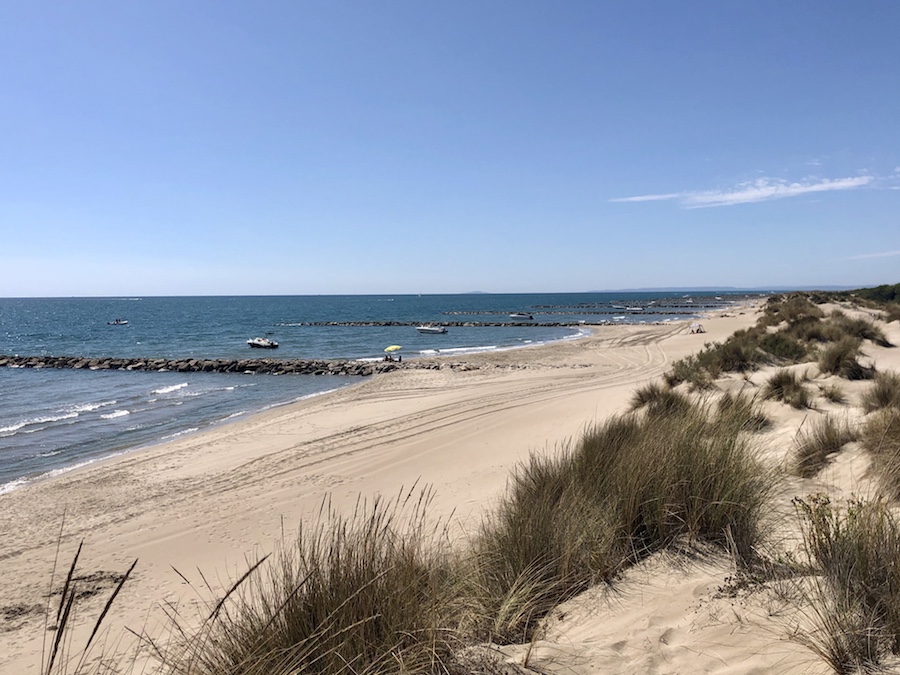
(212, 499)
(361, 367)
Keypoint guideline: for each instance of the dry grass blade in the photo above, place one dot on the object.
(66, 604)
(235, 586)
(68, 582)
(107, 606)
(66, 601)
(50, 593)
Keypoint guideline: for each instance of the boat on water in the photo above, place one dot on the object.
(262, 343)
(431, 328)
(117, 322)
(635, 309)
(521, 316)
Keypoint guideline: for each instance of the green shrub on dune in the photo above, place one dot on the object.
(783, 346)
(792, 309)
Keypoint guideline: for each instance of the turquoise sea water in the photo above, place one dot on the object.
(53, 420)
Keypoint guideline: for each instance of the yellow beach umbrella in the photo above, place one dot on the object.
(393, 348)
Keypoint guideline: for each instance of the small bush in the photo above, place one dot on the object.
(841, 359)
(783, 346)
(792, 309)
(814, 447)
(785, 386)
(814, 330)
(884, 392)
(691, 370)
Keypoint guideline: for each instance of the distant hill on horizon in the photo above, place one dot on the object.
(732, 289)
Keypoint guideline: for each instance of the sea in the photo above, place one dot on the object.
(53, 421)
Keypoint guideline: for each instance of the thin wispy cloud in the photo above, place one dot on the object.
(883, 254)
(760, 190)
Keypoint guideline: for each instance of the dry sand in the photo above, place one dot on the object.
(209, 503)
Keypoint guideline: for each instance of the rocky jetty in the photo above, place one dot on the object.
(265, 366)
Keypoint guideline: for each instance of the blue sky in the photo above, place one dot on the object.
(295, 147)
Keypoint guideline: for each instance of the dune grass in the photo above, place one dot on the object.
(842, 359)
(659, 399)
(741, 411)
(881, 438)
(59, 656)
(855, 597)
(814, 447)
(833, 393)
(786, 386)
(884, 392)
(892, 312)
(633, 486)
(363, 594)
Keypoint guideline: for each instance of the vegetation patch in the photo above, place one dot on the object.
(785, 386)
(881, 437)
(633, 486)
(833, 393)
(815, 447)
(842, 359)
(884, 392)
(659, 399)
(370, 593)
(741, 412)
(855, 597)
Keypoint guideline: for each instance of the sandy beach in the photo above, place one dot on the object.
(215, 501)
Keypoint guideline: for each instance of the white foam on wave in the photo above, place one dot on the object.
(169, 390)
(89, 407)
(20, 482)
(468, 350)
(12, 485)
(13, 428)
(179, 433)
(115, 414)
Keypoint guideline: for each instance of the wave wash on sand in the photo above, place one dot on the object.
(637, 501)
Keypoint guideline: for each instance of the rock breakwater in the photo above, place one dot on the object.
(264, 366)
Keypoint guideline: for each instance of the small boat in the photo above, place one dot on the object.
(521, 316)
(117, 322)
(430, 328)
(262, 343)
(635, 309)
